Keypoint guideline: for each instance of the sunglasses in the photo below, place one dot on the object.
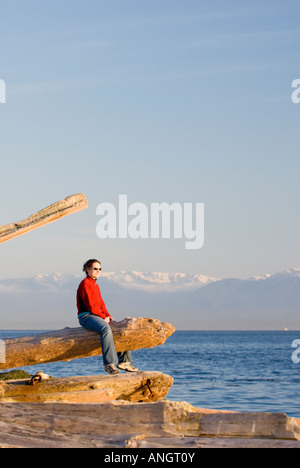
(96, 269)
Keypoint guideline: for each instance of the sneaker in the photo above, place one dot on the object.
(111, 369)
(127, 366)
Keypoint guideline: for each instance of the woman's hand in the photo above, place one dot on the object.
(109, 319)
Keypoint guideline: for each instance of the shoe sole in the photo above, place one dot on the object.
(128, 370)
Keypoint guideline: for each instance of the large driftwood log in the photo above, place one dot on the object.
(52, 213)
(73, 343)
(135, 387)
(141, 425)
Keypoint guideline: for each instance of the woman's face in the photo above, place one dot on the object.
(94, 270)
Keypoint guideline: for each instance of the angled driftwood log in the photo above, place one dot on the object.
(136, 387)
(58, 210)
(73, 343)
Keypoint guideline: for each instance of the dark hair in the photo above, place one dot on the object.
(89, 264)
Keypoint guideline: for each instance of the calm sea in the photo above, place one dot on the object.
(238, 370)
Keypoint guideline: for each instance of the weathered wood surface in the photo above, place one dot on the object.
(136, 387)
(73, 343)
(134, 425)
(69, 205)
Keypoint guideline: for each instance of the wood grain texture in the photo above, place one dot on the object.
(73, 343)
(58, 210)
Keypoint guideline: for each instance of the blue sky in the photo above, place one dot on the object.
(164, 101)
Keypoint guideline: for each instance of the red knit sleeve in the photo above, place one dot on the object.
(103, 310)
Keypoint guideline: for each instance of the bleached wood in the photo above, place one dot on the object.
(136, 387)
(73, 343)
(123, 424)
(58, 210)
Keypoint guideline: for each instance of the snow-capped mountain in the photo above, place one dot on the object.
(189, 301)
(157, 281)
(132, 280)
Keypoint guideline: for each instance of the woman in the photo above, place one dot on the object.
(93, 315)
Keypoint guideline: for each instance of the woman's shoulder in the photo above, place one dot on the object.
(87, 283)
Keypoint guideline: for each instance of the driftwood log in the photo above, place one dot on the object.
(123, 424)
(73, 343)
(58, 210)
(135, 387)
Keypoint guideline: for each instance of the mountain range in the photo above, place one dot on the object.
(188, 301)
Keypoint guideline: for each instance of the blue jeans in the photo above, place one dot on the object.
(97, 324)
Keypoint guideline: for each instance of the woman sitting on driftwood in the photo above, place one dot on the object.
(93, 315)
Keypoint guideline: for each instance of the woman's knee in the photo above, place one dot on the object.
(106, 330)
(96, 324)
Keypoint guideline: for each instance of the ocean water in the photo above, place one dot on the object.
(238, 370)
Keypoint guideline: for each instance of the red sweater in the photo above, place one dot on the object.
(89, 298)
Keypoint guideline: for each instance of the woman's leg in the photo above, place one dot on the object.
(100, 326)
(124, 356)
